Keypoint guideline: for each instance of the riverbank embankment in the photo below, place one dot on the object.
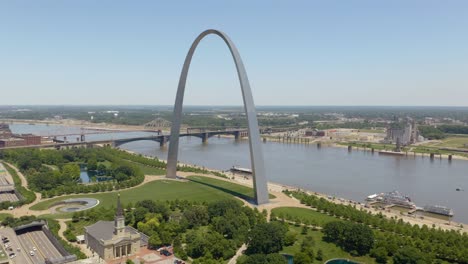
(275, 188)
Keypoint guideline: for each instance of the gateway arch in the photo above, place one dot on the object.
(256, 155)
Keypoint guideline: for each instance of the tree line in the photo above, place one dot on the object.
(391, 234)
(440, 132)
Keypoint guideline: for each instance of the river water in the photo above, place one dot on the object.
(329, 170)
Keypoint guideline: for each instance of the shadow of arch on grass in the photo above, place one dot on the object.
(234, 189)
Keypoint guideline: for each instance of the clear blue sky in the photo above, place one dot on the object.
(296, 52)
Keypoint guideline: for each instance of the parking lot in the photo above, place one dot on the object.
(31, 247)
(20, 256)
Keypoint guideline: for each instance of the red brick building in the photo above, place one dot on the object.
(12, 142)
(30, 139)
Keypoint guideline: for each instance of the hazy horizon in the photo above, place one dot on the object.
(238, 106)
(297, 53)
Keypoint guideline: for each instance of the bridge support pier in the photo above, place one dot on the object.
(205, 138)
(237, 135)
(163, 142)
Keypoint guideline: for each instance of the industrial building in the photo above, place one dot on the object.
(8, 139)
(403, 133)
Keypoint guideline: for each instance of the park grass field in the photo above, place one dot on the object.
(450, 142)
(304, 214)
(197, 188)
(241, 191)
(329, 250)
(4, 215)
(379, 131)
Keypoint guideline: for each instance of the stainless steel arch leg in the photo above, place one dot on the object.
(256, 154)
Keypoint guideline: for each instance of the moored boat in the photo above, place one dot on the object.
(237, 169)
(438, 209)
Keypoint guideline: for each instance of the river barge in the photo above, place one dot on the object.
(236, 169)
(393, 153)
(438, 209)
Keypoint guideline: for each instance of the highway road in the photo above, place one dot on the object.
(38, 240)
(7, 196)
(44, 245)
(21, 257)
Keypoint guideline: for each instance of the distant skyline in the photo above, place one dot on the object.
(375, 53)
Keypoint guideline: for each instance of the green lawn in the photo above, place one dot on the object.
(376, 146)
(199, 188)
(4, 215)
(380, 131)
(329, 250)
(451, 142)
(241, 191)
(304, 214)
(79, 227)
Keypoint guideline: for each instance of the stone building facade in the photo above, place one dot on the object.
(112, 239)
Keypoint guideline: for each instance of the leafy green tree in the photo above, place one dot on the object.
(196, 216)
(410, 255)
(71, 172)
(102, 169)
(264, 259)
(139, 214)
(359, 237)
(154, 241)
(232, 225)
(302, 258)
(380, 254)
(202, 242)
(92, 164)
(290, 238)
(352, 237)
(75, 217)
(267, 238)
(319, 255)
(220, 208)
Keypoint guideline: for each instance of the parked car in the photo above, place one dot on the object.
(165, 252)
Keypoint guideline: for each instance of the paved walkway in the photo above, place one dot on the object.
(63, 227)
(239, 253)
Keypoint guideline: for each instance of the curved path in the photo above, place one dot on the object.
(63, 227)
